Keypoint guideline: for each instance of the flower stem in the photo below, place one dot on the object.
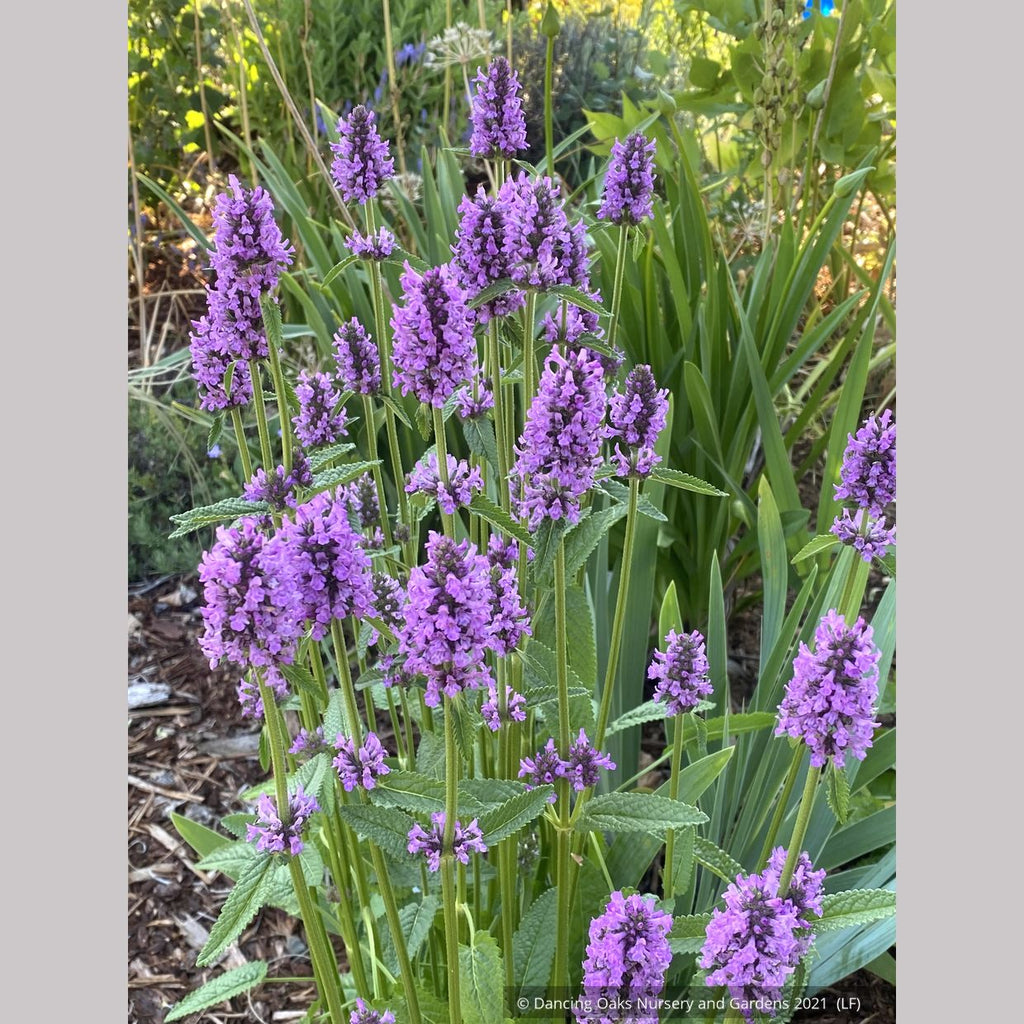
(272, 325)
(620, 273)
(780, 808)
(441, 445)
(451, 910)
(393, 85)
(803, 817)
(549, 148)
(667, 872)
(378, 479)
(261, 416)
(243, 445)
(500, 436)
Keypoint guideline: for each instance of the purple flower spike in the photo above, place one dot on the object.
(371, 247)
(278, 489)
(213, 353)
(361, 498)
(465, 841)
(868, 475)
(829, 702)
(509, 618)
(462, 482)
(681, 672)
(249, 693)
(760, 938)
(361, 162)
(309, 743)
(271, 834)
(317, 422)
(360, 766)
(872, 542)
(447, 613)
(479, 254)
(544, 768)
(362, 1014)
(637, 416)
(357, 359)
(559, 452)
(629, 183)
(627, 957)
(581, 769)
(499, 127)
(434, 351)
(470, 408)
(515, 708)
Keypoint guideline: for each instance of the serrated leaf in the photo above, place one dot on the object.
(580, 639)
(424, 421)
(202, 839)
(321, 457)
(545, 546)
(837, 791)
(492, 291)
(533, 945)
(689, 932)
(815, 546)
(301, 678)
(514, 814)
(577, 298)
(232, 860)
(716, 860)
(854, 907)
(465, 725)
(225, 986)
(637, 812)
(486, 509)
(223, 511)
(388, 402)
(649, 711)
(683, 859)
(416, 919)
(237, 824)
(411, 791)
(481, 981)
(335, 476)
(241, 906)
(216, 429)
(479, 435)
(311, 776)
(686, 482)
(386, 826)
(582, 541)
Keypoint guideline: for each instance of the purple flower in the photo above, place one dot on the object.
(465, 841)
(361, 499)
(309, 743)
(362, 1014)
(360, 766)
(271, 834)
(249, 693)
(317, 422)
(629, 183)
(361, 162)
(637, 416)
(515, 708)
(544, 768)
(499, 127)
(276, 488)
(627, 957)
(357, 359)
(372, 247)
(559, 451)
(447, 627)
(434, 351)
(408, 53)
(829, 702)
(760, 938)
(871, 542)
(541, 247)
(214, 452)
(388, 597)
(247, 618)
(214, 352)
(682, 673)
(479, 254)
(470, 408)
(868, 474)
(462, 482)
(501, 553)
(581, 768)
(323, 563)
(509, 618)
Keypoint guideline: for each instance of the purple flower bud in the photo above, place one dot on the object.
(830, 701)
(434, 351)
(372, 247)
(515, 708)
(637, 416)
(581, 768)
(357, 359)
(360, 766)
(309, 743)
(872, 542)
(361, 162)
(681, 672)
(470, 408)
(466, 840)
(629, 183)
(271, 834)
(499, 127)
(362, 1014)
(462, 482)
(249, 693)
(544, 768)
(361, 499)
(317, 422)
(868, 475)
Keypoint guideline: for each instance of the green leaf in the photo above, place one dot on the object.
(410, 791)
(649, 711)
(202, 839)
(416, 919)
(479, 435)
(716, 860)
(581, 642)
(216, 429)
(815, 546)
(337, 475)
(186, 221)
(774, 569)
(241, 906)
(686, 482)
(492, 291)
(514, 814)
(837, 791)
(388, 827)
(221, 511)
(750, 722)
(388, 402)
(321, 457)
(486, 509)
(481, 981)
(339, 268)
(533, 945)
(301, 678)
(577, 298)
(637, 812)
(854, 907)
(225, 986)
(683, 859)
(689, 932)
(695, 778)
(582, 541)
(669, 618)
(232, 860)
(545, 546)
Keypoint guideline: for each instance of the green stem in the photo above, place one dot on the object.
(803, 817)
(560, 975)
(396, 112)
(348, 693)
(620, 272)
(667, 874)
(780, 808)
(451, 910)
(500, 436)
(441, 446)
(549, 146)
(261, 416)
(378, 479)
(272, 325)
(620, 613)
(243, 445)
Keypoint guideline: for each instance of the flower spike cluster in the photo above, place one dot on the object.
(467, 839)
(515, 708)
(361, 162)
(462, 482)
(629, 183)
(499, 126)
(681, 672)
(581, 766)
(318, 423)
(830, 701)
(637, 415)
(360, 766)
(377, 246)
(357, 359)
(760, 938)
(362, 1014)
(271, 834)
(627, 958)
